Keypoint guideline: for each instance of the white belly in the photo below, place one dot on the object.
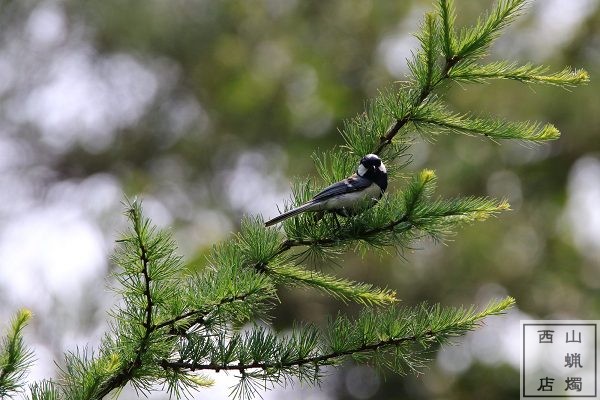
(353, 201)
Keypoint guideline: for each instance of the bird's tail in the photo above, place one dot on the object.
(290, 213)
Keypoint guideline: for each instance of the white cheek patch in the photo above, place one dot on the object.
(382, 168)
(361, 170)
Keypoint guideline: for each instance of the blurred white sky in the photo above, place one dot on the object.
(55, 241)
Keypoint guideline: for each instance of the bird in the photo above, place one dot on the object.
(349, 196)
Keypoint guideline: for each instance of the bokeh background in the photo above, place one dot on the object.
(206, 109)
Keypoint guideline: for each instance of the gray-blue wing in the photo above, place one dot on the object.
(351, 184)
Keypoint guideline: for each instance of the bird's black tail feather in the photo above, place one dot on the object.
(289, 214)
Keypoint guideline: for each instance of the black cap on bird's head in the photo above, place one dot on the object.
(371, 167)
(370, 162)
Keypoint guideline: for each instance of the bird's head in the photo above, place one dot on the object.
(371, 162)
(372, 168)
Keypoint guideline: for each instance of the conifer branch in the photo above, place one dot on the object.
(154, 314)
(128, 369)
(424, 92)
(447, 14)
(436, 116)
(424, 67)
(460, 53)
(395, 222)
(44, 390)
(474, 42)
(375, 336)
(85, 374)
(528, 73)
(322, 360)
(180, 324)
(15, 359)
(342, 289)
(426, 215)
(414, 214)
(396, 215)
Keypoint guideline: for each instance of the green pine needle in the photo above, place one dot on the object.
(447, 13)
(342, 289)
(335, 165)
(391, 337)
(528, 73)
(363, 132)
(44, 390)
(435, 116)
(424, 65)
(258, 244)
(419, 190)
(15, 358)
(440, 218)
(474, 42)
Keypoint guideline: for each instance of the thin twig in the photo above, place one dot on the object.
(290, 243)
(387, 138)
(321, 359)
(199, 314)
(127, 371)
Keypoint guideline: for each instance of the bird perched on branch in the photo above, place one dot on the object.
(350, 196)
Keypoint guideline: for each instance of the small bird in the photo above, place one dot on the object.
(350, 196)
